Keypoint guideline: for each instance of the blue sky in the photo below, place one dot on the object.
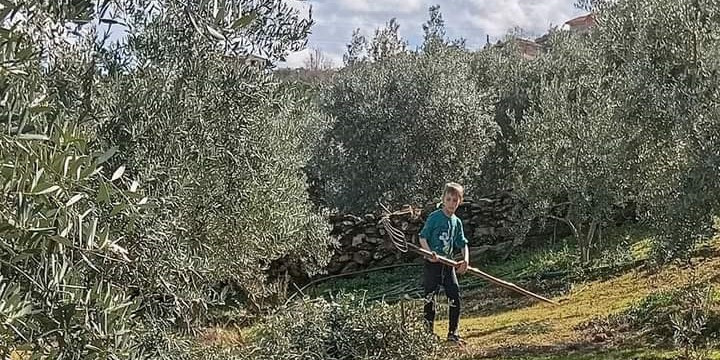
(470, 19)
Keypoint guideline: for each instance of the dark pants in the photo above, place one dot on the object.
(434, 275)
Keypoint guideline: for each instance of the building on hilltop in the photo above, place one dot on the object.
(530, 49)
(256, 61)
(580, 24)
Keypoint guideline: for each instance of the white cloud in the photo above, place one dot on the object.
(297, 59)
(335, 20)
(535, 17)
(375, 6)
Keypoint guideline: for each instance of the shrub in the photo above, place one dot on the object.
(345, 328)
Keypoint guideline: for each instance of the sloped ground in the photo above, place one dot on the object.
(542, 331)
(500, 325)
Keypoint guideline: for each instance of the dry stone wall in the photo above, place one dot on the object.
(491, 225)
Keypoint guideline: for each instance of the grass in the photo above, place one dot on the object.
(498, 324)
(612, 355)
(542, 328)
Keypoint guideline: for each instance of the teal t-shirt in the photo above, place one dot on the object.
(443, 233)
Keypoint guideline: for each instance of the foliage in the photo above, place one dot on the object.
(345, 328)
(433, 29)
(685, 317)
(661, 71)
(620, 117)
(94, 265)
(397, 125)
(222, 146)
(356, 49)
(511, 79)
(387, 42)
(64, 210)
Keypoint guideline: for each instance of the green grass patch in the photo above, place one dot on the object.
(640, 354)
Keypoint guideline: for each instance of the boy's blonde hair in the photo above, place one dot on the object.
(454, 188)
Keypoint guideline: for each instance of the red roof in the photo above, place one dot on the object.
(586, 20)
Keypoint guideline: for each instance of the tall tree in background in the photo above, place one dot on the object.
(224, 147)
(387, 42)
(318, 61)
(397, 125)
(356, 50)
(433, 29)
(661, 69)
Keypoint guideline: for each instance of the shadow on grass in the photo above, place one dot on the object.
(576, 351)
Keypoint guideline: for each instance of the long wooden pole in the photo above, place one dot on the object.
(508, 285)
(398, 239)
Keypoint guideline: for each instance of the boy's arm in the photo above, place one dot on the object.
(425, 246)
(462, 267)
(462, 241)
(424, 234)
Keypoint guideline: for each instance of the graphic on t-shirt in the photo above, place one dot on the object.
(447, 239)
(446, 243)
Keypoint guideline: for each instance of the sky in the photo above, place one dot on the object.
(473, 20)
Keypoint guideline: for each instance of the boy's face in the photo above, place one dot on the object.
(451, 201)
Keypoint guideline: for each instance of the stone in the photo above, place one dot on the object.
(483, 231)
(358, 239)
(374, 240)
(503, 232)
(349, 267)
(362, 257)
(345, 241)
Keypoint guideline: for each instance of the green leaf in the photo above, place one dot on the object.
(74, 199)
(244, 21)
(117, 209)
(62, 239)
(91, 235)
(103, 194)
(38, 175)
(112, 22)
(104, 237)
(43, 229)
(33, 137)
(47, 190)
(214, 33)
(118, 173)
(66, 231)
(107, 155)
(194, 23)
(40, 109)
(134, 186)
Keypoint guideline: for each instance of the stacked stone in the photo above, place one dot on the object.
(361, 242)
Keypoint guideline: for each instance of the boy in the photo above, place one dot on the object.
(441, 235)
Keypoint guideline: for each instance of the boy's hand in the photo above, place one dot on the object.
(462, 267)
(433, 258)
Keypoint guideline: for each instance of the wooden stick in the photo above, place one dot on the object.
(508, 285)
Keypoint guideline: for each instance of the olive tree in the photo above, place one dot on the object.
(401, 128)
(221, 146)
